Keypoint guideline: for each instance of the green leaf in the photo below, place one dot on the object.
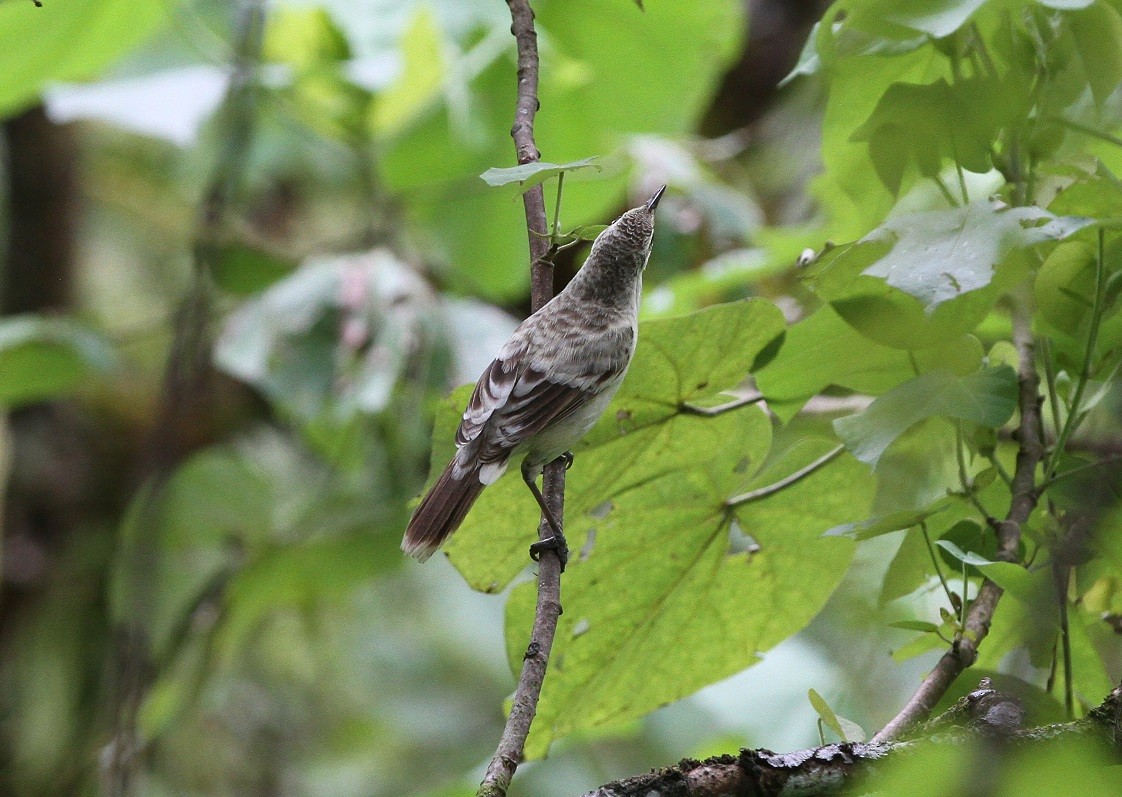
(303, 37)
(588, 232)
(44, 357)
(66, 41)
(1097, 34)
(909, 569)
(966, 557)
(915, 625)
(917, 647)
(939, 255)
(887, 524)
(987, 397)
(626, 663)
(936, 18)
(1096, 196)
(928, 124)
(825, 713)
(1065, 285)
(331, 339)
(531, 174)
(823, 350)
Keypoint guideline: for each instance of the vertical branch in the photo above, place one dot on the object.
(512, 742)
(182, 397)
(977, 625)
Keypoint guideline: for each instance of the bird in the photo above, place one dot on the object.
(548, 386)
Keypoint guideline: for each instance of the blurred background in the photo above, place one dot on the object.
(245, 250)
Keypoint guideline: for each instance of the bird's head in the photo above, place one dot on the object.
(627, 241)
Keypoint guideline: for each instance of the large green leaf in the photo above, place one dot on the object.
(644, 436)
(823, 350)
(68, 40)
(669, 602)
(627, 73)
(987, 397)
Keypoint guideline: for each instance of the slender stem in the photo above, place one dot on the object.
(557, 210)
(967, 483)
(1001, 472)
(935, 562)
(787, 481)
(1087, 131)
(720, 409)
(945, 191)
(983, 52)
(512, 742)
(1062, 574)
(1024, 498)
(1074, 414)
(1108, 460)
(962, 183)
(1053, 394)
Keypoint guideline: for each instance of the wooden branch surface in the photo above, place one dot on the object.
(980, 718)
(509, 753)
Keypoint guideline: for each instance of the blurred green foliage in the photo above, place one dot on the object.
(968, 159)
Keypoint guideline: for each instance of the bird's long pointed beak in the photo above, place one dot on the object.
(652, 203)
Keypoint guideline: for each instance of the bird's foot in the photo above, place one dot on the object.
(566, 459)
(555, 543)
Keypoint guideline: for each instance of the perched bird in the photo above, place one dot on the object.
(548, 386)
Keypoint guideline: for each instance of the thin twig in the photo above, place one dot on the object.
(1109, 459)
(938, 568)
(183, 395)
(720, 409)
(978, 619)
(1074, 412)
(786, 481)
(509, 752)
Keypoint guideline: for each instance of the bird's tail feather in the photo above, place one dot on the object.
(441, 512)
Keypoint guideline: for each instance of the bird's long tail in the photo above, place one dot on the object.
(441, 512)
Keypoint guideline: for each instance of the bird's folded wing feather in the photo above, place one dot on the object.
(515, 401)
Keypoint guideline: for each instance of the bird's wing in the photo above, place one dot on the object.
(515, 403)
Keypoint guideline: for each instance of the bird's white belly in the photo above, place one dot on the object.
(550, 443)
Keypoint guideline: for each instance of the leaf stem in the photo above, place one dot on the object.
(968, 488)
(557, 211)
(945, 191)
(787, 481)
(935, 562)
(1087, 131)
(962, 182)
(1073, 415)
(1062, 573)
(1053, 395)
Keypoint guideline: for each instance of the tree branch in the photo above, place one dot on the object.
(965, 649)
(513, 740)
(984, 714)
